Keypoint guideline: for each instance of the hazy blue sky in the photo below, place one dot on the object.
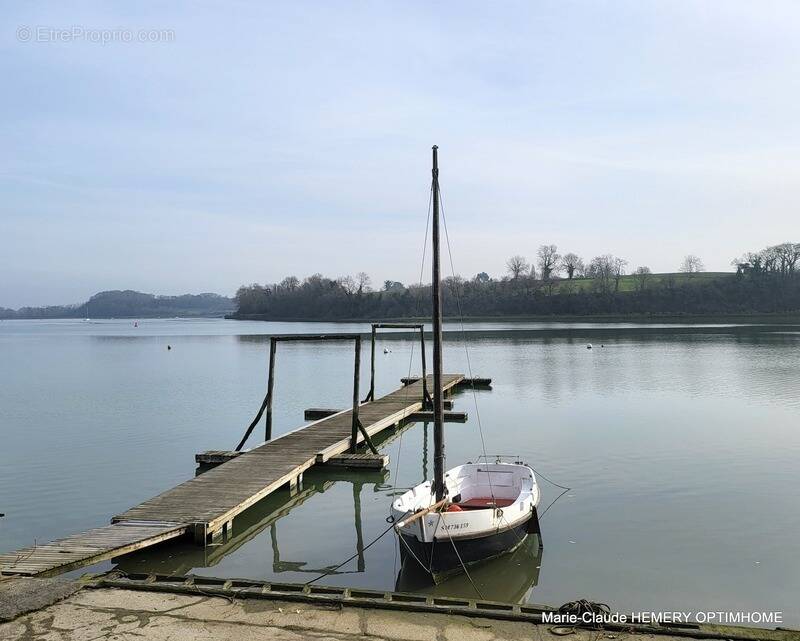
(269, 139)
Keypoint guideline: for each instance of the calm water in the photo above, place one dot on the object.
(681, 448)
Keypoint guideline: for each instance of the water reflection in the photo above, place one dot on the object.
(279, 565)
(509, 578)
(653, 431)
(183, 558)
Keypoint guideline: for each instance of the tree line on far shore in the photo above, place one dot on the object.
(766, 281)
(130, 304)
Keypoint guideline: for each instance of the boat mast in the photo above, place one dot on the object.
(438, 412)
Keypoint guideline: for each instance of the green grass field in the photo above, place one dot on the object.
(630, 282)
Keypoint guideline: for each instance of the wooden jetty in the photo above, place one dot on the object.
(206, 505)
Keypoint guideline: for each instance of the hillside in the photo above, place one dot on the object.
(131, 304)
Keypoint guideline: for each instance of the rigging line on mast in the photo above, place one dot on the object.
(469, 366)
(464, 337)
(411, 357)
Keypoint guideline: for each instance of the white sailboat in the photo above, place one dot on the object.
(473, 512)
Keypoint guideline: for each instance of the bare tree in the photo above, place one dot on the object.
(548, 261)
(692, 264)
(601, 271)
(572, 264)
(363, 282)
(517, 266)
(348, 284)
(290, 283)
(787, 255)
(780, 259)
(770, 259)
(453, 285)
(605, 269)
(642, 275)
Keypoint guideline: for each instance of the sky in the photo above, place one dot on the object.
(242, 142)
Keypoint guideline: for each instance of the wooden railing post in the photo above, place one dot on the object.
(426, 397)
(356, 377)
(270, 386)
(371, 395)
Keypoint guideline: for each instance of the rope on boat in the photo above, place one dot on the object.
(433, 550)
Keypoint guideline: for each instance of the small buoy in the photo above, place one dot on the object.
(589, 346)
(169, 347)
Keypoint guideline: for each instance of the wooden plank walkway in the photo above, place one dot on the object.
(207, 504)
(87, 548)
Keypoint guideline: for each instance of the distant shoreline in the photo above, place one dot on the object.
(125, 318)
(778, 317)
(130, 304)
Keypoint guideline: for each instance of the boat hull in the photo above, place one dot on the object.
(445, 557)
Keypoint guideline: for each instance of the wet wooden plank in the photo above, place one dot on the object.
(360, 460)
(87, 548)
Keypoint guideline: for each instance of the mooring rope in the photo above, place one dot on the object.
(458, 556)
(346, 561)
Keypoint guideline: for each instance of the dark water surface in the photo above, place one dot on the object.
(681, 445)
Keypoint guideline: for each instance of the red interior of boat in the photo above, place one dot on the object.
(480, 503)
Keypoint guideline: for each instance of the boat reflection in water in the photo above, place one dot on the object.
(509, 578)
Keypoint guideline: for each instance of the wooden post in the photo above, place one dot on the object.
(199, 533)
(273, 343)
(426, 396)
(371, 395)
(356, 376)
